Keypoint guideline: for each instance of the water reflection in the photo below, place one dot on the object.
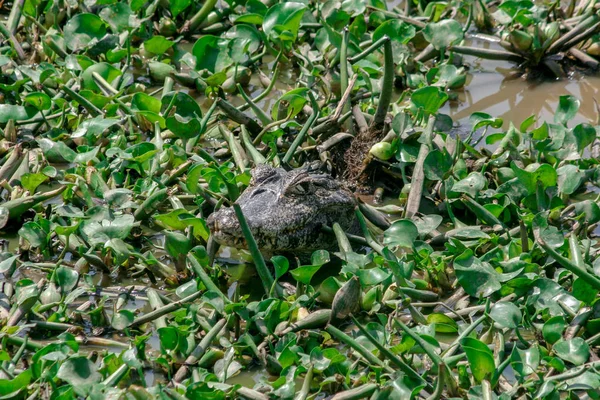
(516, 99)
(494, 87)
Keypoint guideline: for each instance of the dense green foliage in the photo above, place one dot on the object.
(125, 124)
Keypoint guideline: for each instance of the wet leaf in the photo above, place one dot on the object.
(395, 29)
(83, 30)
(553, 329)
(481, 359)
(575, 351)
(478, 278)
(506, 315)
(567, 109)
(401, 233)
(429, 99)
(283, 17)
(444, 33)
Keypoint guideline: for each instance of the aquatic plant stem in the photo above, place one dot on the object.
(344, 76)
(370, 357)
(199, 351)
(15, 16)
(570, 266)
(193, 23)
(418, 178)
(411, 373)
(261, 267)
(387, 87)
(300, 137)
(169, 308)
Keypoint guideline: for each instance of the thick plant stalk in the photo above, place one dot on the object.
(239, 117)
(15, 16)
(377, 44)
(199, 351)
(208, 283)
(418, 178)
(569, 265)
(169, 308)
(370, 357)
(488, 54)
(344, 76)
(411, 373)
(387, 87)
(300, 137)
(194, 23)
(261, 267)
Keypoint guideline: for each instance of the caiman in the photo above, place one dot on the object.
(286, 211)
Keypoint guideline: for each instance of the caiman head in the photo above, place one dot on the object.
(286, 210)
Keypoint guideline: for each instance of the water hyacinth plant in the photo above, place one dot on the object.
(471, 267)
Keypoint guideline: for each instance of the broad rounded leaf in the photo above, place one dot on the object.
(481, 358)
(401, 233)
(284, 17)
(444, 33)
(568, 106)
(395, 29)
(575, 351)
(79, 371)
(505, 314)
(81, 30)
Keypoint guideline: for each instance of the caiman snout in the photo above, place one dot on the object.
(225, 228)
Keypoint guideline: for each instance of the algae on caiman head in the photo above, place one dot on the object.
(286, 210)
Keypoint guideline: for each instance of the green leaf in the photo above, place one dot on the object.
(575, 351)
(122, 319)
(569, 178)
(401, 233)
(305, 273)
(82, 30)
(437, 165)
(472, 184)
(31, 181)
(13, 386)
(158, 44)
(79, 372)
(443, 323)
(506, 315)
(66, 278)
(567, 109)
(429, 99)
(583, 291)
(478, 279)
(178, 6)
(395, 29)
(177, 244)
(41, 101)
(553, 329)
(372, 276)
(479, 120)
(105, 70)
(444, 33)
(16, 113)
(534, 173)
(283, 17)
(211, 53)
(481, 358)
(281, 265)
(34, 234)
(525, 362)
(120, 17)
(143, 102)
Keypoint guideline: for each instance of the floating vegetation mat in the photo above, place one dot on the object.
(262, 200)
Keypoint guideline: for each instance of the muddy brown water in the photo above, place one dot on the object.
(494, 87)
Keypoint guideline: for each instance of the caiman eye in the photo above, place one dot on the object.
(301, 188)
